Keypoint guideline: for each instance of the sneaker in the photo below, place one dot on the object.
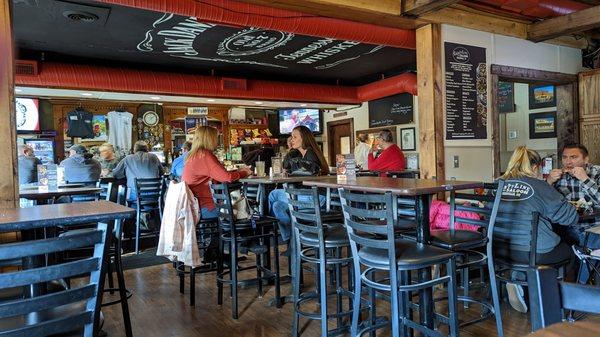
(515, 297)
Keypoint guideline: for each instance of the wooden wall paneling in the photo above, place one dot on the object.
(525, 75)
(9, 186)
(566, 127)
(590, 137)
(431, 113)
(589, 114)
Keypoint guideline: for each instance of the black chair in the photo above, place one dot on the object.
(72, 310)
(469, 244)
(403, 174)
(252, 233)
(554, 297)
(527, 227)
(148, 199)
(388, 263)
(319, 244)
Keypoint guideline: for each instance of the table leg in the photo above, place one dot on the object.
(426, 303)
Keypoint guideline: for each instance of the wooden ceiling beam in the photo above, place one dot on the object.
(420, 7)
(575, 22)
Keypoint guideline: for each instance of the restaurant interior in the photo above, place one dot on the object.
(255, 168)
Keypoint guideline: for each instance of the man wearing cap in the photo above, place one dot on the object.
(80, 167)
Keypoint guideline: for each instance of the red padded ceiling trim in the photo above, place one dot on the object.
(227, 12)
(87, 77)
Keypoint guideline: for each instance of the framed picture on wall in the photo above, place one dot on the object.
(407, 139)
(542, 125)
(541, 96)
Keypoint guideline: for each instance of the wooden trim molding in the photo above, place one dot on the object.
(531, 75)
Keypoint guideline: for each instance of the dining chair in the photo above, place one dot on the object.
(148, 200)
(72, 310)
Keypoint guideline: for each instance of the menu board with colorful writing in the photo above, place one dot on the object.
(466, 92)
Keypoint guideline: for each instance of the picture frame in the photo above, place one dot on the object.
(408, 139)
(542, 96)
(542, 125)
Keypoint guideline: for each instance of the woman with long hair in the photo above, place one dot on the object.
(202, 166)
(309, 162)
(526, 192)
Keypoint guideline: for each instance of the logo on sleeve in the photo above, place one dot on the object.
(517, 191)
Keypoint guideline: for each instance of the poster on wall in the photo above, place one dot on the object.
(542, 125)
(99, 128)
(541, 96)
(466, 92)
(391, 110)
(506, 97)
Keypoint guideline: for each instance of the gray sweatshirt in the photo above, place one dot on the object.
(520, 198)
(138, 165)
(78, 169)
(28, 169)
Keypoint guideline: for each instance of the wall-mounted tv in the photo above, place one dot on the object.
(28, 116)
(290, 118)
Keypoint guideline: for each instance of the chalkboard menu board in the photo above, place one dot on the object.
(506, 97)
(391, 110)
(466, 92)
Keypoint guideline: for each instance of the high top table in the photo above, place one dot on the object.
(41, 195)
(422, 190)
(32, 219)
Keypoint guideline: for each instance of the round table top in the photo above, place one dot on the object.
(568, 329)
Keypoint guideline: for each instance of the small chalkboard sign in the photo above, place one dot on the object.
(391, 110)
(506, 97)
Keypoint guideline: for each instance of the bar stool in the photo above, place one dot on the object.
(148, 198)
(375, 247)
(321, 245)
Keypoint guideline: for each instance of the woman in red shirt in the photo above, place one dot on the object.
(202, 166)
(390, 158)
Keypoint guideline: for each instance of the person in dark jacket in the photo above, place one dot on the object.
(27, 165)
(81, 167)
(308, 162)
(526, 192)
(265, 153)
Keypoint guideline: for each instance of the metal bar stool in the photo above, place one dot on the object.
(387, 264)
(149, 198)
(321, 245)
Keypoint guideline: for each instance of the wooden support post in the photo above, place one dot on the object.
(9, 187)
(431, 111)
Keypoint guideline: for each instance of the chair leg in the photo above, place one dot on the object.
(234, 279)
(323, 291)
(495, 297)
(192, 286)
(295, 266)
(137, 233)
(259, 274)
(338, 287)
(181, 277)
(452, 298)
(356, 300)
(465, 283)
(373, 311)
(111, 281)
(220, 258)
(278, 301)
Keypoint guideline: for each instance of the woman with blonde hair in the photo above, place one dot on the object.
(526, 192)
(202, 166)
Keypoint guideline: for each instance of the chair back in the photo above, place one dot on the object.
(404, 174)
(222, 199)
(148, 194)
(471, 203)
(553, 297)
(369, 220)
(253, 193)
(106, 184)
(58, 312)
(305, 210)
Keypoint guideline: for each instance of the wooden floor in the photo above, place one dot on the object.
(159, 310)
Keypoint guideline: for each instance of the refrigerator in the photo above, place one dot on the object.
(43, 149)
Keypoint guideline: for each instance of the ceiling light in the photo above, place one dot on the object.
(86, 94)
(18, 90)
(303, 104)
(154, 97)
(258, 103)
(210, 100)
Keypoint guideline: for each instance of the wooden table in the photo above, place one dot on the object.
(34, 186)
(263, 182)
(42, 195)
(568, 329)
(421, 190)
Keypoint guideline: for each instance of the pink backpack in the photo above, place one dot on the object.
(439, 217)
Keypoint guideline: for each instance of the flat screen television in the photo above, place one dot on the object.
(43, 149)
(290, 118)
(27, 113)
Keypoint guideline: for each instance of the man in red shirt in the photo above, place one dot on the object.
(389, 157)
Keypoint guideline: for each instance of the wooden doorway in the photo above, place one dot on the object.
(340, 138)
(567, 113)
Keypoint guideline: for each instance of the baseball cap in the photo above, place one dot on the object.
(78, 148)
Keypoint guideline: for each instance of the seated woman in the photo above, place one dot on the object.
(526, 192)
(202, 166)
(309, 162)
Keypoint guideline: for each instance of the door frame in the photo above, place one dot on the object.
(330, 139)
(567, 124)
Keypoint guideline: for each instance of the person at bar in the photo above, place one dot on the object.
(202, 166)
(179, 162)
(578, 179)
(140, 164)
(526, 192)
(291, 153)
(81, 167)
(386, 156)
(361, 152)
(27, 165)
(108, 159)
(309, 162)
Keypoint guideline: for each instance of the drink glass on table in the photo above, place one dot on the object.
(260, 168)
